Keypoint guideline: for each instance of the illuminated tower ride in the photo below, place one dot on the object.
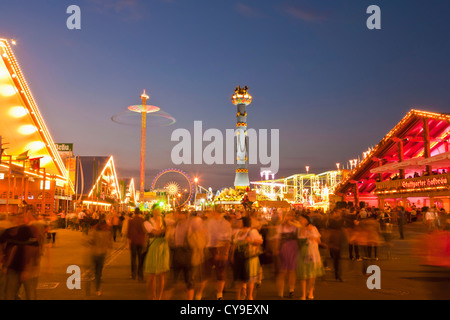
(143, 109)
(241, 99)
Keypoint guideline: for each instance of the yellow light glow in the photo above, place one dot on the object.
(27, 129)
(9, 66)
(4, 73)
(97, 203)
(35, 146)
(7, 90)
(17, 112)
(45, 160)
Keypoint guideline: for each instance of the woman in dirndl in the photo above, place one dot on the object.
(310, 263)
(245, 259)
(157, 259)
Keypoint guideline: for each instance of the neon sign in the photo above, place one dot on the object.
(429, 182)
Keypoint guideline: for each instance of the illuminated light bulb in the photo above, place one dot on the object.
(18, 112)
(4, 74)
(44, 160)
(35, 146)
(7, 90)
(27, 129)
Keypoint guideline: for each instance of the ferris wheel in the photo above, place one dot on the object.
(177, 184)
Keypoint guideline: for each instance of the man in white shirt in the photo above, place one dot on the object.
(363, 214)
(81, 217)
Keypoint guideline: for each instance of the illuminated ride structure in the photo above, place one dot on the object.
(96, 184)
(307, 190)
(176, 184)
(127, 118)
(409, 166)
(241, 99)
(143, 109)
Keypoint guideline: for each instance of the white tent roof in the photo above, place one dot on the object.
(441, 160)
(394, 167)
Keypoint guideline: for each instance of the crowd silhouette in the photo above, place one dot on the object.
(222, 249)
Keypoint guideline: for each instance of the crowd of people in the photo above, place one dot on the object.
(237, 247)
(222, 248)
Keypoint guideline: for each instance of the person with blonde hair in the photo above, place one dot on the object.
(157, 259)
(310, 262)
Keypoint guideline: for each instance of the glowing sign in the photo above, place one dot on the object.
(421, 184)
(429, 182)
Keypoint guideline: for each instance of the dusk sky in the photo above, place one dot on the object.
(316, 72)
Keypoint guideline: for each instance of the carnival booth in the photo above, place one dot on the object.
(31, 169)
(409, 167)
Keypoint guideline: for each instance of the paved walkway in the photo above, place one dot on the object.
(402, 276)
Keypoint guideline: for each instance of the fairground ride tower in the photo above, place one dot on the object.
(241, 99)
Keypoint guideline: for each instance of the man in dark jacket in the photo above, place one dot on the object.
(137, 237)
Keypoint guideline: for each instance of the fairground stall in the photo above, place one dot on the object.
(31, 170)
(409, 167)
(97, 186)
(302, 190)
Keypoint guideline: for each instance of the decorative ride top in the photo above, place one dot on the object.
(144, 108)
(241, 96)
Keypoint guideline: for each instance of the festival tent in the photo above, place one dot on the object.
(419, 140)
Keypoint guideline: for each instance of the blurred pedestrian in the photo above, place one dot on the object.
(246, 245)
(99, 242)
(182, 252)
(137, 236)
(267, 257)
(386, 231)
(115, 225)
(124, 228)
(218, 249)
(22, 252)
(95, 217)
(81, 220)
(351, 230)
(157, 259)
(62, 219)
(401, 220)
(197, 241)
(335, 239)
(287, 253)
(310, 263)
(431, 219)
(370, 237)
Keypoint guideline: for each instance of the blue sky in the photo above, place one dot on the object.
(331, 86)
